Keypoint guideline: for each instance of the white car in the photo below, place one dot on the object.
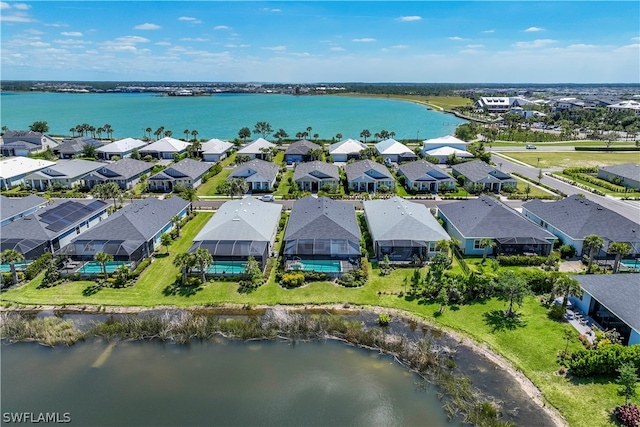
(267, 198)
(530, 147)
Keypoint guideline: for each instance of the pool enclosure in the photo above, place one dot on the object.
(231, 256)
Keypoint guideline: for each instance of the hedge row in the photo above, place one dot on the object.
(604, 360)
(36, 266)
(515, 260)
(599, 182)
(577, 184)
(585, 169)
(607, 149)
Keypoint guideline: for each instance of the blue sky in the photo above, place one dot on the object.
(299, 42)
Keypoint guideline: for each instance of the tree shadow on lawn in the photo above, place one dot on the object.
(91, 290)
(500, 322)
(176, 288)
(594, 379)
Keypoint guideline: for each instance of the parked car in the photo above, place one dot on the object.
(530, 147)
(267, 198)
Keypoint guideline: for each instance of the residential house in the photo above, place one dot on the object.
(165, 148)
(367, 175)
(479, 172)
(125, 172)
(73, 147)
(240, 229)
(324, 231)
(186, 173)
(312, 176)
(64, 174)
(624, 106)
(345, 150)
(13, 208)
(51, 228)
(215, 150)
(258, 174)
(121, 148)
(424, 176)
(443, 154)
(132, 233)
(500, 104)
(15, 169)
(258, 149)
(402, 230)
(444, 141)
(574, 218)
(21, 143)
(627, 175)
(300, 151)
(612, 301)
(394, 151)
(471, 221)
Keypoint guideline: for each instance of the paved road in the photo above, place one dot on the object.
(626, 208)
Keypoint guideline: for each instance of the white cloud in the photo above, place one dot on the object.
(147, 26)
(400, 46)
(635, 38)
(16, 17)
(21, 6)
(190, 19)
(337, 49)
(56, 25)
(4, 5)
(475, 46)
(533, 29)
(71, 33)
(196, 39)
(39, 44)
(581, 46)
(409, 18)
(124, 44)
(630, 47)
(268, 9)
(488, 31)
(456, 38)
(163, 44)
(231, 45)
(221, 27)
(34, 31)
(276, 48)
(534, 44)
(364, 40)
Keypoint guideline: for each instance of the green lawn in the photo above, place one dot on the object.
(443, 102)
(560, 144)
(572, 159)
(535, 191)
(279, 158)
(210, 188)
(604, 190)
(284, 186)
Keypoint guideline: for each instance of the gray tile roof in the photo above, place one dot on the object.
(13, 206)
(124, 169)
(579, 217)
(476, 170)
(76, 145)
(398, 219)
(25, 145)
(357, 169)
(184, 168)
(302, 147)
(266, 169)
(488, 217)
(322, 218)
(66, 169)
(138, 221)
(22, 135)
(628, 170)
(320, 170)
(619, 293)
(421, 170)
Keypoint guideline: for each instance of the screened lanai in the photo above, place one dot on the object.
(121, 250)
(322, 248)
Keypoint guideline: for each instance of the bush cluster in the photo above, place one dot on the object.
(628, 415)
(7, 278)
(357, 277)
(603, 360)
(140, 268)
(292, 279)
(520, 260)
(36, 266)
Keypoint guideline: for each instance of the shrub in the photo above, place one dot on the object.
(140, 268)
(604, 360)
(628, 414)
(384, 319)
(292, 280)
(520, 260)
(36, 266)
(556, 312)
(315, 276)
(567, 251)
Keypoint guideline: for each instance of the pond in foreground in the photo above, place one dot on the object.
(206, 383)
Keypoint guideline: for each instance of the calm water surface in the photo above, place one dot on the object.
(222, 115)
(207, 383)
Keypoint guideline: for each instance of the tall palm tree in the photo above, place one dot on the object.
(176, 222)
(620, 250)
(168, 133)
(195, 148)
(486, 243)
(593, 243)
(103, 258)
(204, 259)
(365, 134)
(99, 132)
(72, 130)
(11, 256)
(194, 133)
(149, 130)
(189, 194)
(565, 286)
(186, 262)
(186, 134)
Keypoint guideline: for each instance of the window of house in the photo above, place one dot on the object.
(476, 244)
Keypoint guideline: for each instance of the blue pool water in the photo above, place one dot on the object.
(326, 266)
(20, 266)
(93, 267)
(226, 267)
(632, 265)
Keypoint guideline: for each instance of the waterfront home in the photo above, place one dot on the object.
(132, 233)
(500, 104)
(73, 147)
(15, 169)
(445, 141)
(402, 230)
(312, 176)
(65, 174)
(12, 208)
(125, 172)
(187, 173)
(479, 172)
(625, 106)
(300, 151)
(574, 218)
(322, 235)
(258, 174)
(215, 150)
(443, 154)
(626, 175)
(52, 227)
(369, 176)
(612, 301)
(165, 148)
(22, 143)
(121, 148)
(258, 149)
(394, 151)
(239, 229)
(424, 176)
(345, 150)
(471, 221)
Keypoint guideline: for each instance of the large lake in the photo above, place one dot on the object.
(206, 383)
(222, 115)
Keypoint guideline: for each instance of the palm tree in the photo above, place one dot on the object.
(168, 133)
(99, 132)
(11, 256)
(365, 134)
(486, 243)
(565, 286)
(158, 132)
(166, 240)
(72, 130)
(186, 262)
(194, 133)
(186, 134)
(620, 250)
(593, 243)
(190, 194)
(195, 148)
(103, 258)
(244, 133)
(338, 136)
(175, 220)
(107, 128)
(148, 130)
(92, 129)
(204, 259)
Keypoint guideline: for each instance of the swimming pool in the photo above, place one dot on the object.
(325, 266)
(632, 264)
(94, 267)
(5, 267)
(227, 267)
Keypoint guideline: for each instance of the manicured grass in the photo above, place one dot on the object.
(443, 102)
(498, 144)
(284, 186)
(572, 159)
(535, 191)
(400, 190)
(597, 187)
(210, 188)
(279, 158)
